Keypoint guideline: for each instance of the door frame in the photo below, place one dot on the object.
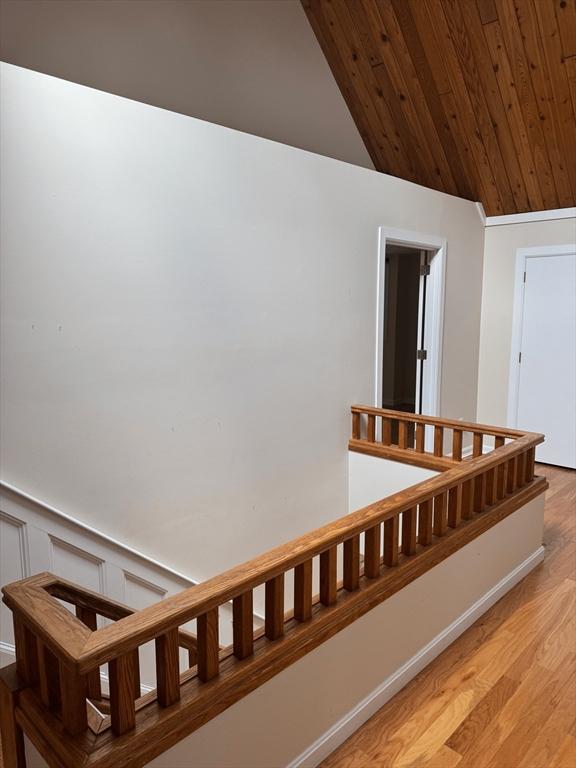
(522, 256)
(434, 316)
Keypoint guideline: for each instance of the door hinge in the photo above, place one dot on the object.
(424, 269)
(421, 354)
(519, 357)
(524, 277)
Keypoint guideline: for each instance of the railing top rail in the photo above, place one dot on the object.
(90, 649)
(464, 426)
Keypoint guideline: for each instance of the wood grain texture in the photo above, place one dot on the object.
(274, 607)
(391, 536)
(351, 564)
(122, 711)
(425, 523)
(472, 97)
(12, 753)
(372, 553)
(440, 514)
(303, 591)
(243, 625)
(503, 694)
(409, 517)
(93, 685)
(208, 662)
(167, 668)
(328, 577)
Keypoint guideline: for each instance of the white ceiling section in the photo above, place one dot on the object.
(252, 65)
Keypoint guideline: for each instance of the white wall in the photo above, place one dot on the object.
(372, 478)
(500, 248)
(252, 65)
(188, 314)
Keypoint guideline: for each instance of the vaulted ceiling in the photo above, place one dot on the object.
(476, 98)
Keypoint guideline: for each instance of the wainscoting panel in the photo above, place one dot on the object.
(35, 537)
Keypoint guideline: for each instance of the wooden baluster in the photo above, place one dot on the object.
(208, 645)
(12, 752)
(73, 697)
(352, 563)
(480, 492)
(420, 435)
(192, 657)
(438, 441)
(386, 431)
(440, 514)
(371, 428)
(328, 577)
(491, 492)
(372, 547)
(26, 652)
(243, 625)
(499, 442)
(455, 506)
(477, 442)
(530, 457)
(122, 684)
(89, 619)
(391, 529)
(136, 673)
(355, 426)
(467, 499)
(425, 523)
(303, 591)
(502, 482)
(409, 531)
(457, 445)
(274, 604)
(403, 434)
(521, 470)
(168, 668)
(511, 481)
(49, 677)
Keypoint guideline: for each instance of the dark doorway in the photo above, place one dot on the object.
(404, 311)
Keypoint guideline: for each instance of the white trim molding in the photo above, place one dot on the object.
(531, 216)
(481, 212)
(347, 725)
(125, 548)
(522, 254)
(434, 324)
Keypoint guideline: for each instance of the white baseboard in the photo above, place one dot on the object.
(347, 725)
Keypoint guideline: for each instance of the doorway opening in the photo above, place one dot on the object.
(404, 353)
(409, 322)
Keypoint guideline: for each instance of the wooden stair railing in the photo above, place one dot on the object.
(59, 654)
(372, 430)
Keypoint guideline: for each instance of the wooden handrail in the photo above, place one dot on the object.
(143, 626)
(414, 528)
(465, 426)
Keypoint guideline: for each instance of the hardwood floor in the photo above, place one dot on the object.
(504, 694)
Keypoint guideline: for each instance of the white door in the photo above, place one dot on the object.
(547, 361)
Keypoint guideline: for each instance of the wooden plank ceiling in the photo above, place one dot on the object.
(476, 98)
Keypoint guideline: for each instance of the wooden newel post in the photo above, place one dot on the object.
(12, 747)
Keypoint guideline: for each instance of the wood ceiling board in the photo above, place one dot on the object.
(472, 97)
